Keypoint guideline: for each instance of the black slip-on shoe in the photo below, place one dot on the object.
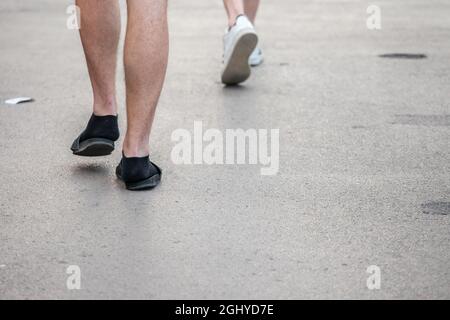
(138, 173)
(98, 138)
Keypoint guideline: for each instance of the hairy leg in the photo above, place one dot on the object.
(145, 59)
(100, 31)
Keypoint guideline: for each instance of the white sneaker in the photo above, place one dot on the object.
(239, 43)
(256, 58)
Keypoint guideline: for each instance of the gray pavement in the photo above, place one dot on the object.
(364, 161)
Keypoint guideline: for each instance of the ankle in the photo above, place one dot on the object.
(133, 148)
(105, 108)
(232, 20)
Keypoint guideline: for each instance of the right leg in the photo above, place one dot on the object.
(145, 60)
(100, 30)
(250, 9)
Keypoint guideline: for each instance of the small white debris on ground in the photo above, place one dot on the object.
(19, 100)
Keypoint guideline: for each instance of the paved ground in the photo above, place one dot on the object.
(364, 161)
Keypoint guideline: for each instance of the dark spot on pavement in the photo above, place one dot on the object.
(439, 208)
(423, 120)
(403, 55)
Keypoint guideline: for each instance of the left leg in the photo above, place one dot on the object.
(100, 20)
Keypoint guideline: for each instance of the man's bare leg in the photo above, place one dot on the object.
(100, 31)
(234, 9)
(251, 9)
(239, 43)
(146, 54)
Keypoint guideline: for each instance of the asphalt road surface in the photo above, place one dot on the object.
(363, 177)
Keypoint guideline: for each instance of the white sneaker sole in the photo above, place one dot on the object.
(237, 68)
